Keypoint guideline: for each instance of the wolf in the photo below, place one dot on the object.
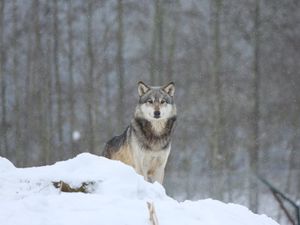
(146, 142)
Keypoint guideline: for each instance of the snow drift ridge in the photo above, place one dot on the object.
(118, 196)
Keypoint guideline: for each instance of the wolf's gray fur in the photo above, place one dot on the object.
(148, 139)
(146, 142)
(114, 144)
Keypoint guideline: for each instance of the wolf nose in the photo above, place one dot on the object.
(156, 114)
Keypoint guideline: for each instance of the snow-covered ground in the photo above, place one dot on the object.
(117, 196)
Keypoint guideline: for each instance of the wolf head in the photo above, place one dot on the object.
(156, 103)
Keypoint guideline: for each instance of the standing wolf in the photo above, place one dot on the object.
(146, 143)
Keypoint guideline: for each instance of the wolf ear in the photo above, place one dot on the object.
(169, 89)
(142, 88)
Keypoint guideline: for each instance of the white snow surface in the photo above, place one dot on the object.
(119, 196)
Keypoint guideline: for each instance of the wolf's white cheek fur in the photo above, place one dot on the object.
(165, 111)
(148, 111)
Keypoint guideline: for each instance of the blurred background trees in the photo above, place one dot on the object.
(69, 70)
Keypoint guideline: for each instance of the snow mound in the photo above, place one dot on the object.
(5, 165)
(118, 196)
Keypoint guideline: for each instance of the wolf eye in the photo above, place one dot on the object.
(150, 101)
(162, 101)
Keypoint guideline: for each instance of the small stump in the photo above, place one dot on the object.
(85, 187)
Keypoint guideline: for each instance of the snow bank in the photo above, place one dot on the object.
(118, 196)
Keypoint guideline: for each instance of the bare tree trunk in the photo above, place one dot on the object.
(160, 26)
(58, 89)
(28, 103)
(120, 65)
(90, 80)
(107, 84)
(3, 133)
(48, 93)
(49, 110)
(228, 167)
(218, 120)
(152, 68)
(171, 54)
(16, 88)
(109, 131)
(294, 159)
(254, 149)
(156, 55)
(39, 77)
(71, 76)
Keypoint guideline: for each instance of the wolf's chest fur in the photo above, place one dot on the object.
(145, 146)
(154, 135)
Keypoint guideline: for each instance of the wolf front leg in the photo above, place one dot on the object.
(156, 175)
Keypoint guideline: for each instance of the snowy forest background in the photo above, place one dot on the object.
(68, 83)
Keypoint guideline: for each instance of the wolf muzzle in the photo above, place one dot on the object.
(156, 114)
